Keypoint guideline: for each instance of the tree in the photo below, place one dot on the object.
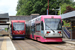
(27, 7)
(63, 7)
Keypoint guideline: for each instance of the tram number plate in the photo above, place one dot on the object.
(53, 34)
(18, 33)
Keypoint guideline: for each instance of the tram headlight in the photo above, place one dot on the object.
(23, 33)
(13, 33)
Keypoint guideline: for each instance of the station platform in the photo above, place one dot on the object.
(70, 41)
(6, 43)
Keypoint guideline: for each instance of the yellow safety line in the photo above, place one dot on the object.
(3, 46)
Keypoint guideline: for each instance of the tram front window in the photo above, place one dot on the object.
(18, 26)
(54, 24)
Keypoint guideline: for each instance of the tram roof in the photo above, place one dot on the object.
(46, 16)
(17, 20)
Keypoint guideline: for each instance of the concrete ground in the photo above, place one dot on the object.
(7, 44)
(29, 44)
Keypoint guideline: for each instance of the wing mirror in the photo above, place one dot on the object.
(10, 25)
(62, 23)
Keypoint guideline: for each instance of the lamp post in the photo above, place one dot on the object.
(48, 8)
(47, 11)
(57, 9)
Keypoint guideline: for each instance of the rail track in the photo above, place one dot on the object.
(17, 45)
(29, 44)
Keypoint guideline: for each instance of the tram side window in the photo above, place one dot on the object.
(37, 27)
(42, 27)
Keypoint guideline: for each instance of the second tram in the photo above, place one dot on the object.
(18, 28)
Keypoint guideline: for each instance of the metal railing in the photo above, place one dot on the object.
(66, 32)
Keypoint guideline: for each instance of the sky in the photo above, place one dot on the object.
(8, 6)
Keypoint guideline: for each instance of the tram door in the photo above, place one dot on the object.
(73, 29)
(33, 30)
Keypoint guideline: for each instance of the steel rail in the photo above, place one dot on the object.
(19, 46)
(37, 47)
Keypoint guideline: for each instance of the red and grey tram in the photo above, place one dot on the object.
(18, 28)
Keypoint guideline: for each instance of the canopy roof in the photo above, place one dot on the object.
(68, 15)
(5, 15)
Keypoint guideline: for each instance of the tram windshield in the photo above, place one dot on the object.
(53, 24)
(18, 26)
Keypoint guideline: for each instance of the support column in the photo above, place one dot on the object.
(73, 29)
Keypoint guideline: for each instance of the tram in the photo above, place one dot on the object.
(45, 28)
(18, 28)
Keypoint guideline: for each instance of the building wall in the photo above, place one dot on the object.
(19, 18)
(26, 18)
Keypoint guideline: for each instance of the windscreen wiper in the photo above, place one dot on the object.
(49, 27)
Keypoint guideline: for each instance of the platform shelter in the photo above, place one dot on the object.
(70, 17)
